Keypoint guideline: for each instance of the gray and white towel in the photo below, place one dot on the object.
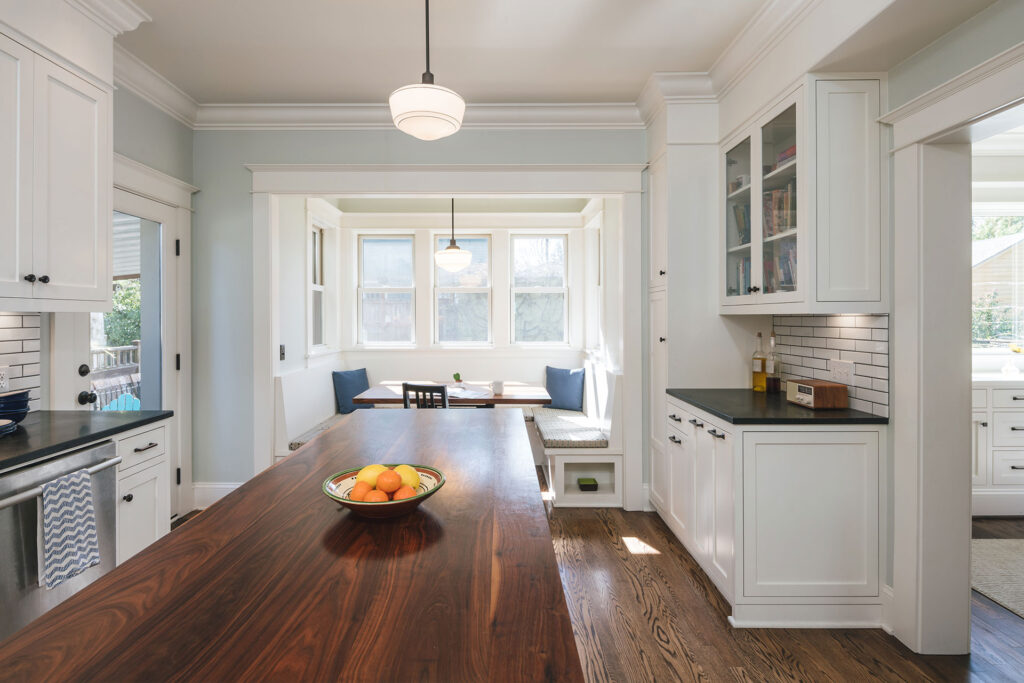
(70, 544)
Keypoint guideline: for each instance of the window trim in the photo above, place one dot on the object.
(317, 222)
(563, 290)
(489, 290)
(360, 290)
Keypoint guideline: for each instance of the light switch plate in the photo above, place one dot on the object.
(4, 383)
(842, 371)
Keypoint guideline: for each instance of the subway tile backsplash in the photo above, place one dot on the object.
(807, 344)
(19, 351)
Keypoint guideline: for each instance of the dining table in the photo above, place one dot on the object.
(276, 581)
(471, 393)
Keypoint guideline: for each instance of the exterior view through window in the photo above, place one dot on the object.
(387, 292)
(997, 288)
(463, 304)
(539, 290)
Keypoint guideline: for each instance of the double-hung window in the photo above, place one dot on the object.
(387, 293)
(540, 293)
(316, 285)
(462, 300)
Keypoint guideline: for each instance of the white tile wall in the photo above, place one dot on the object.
(19, 351)
(807, 344)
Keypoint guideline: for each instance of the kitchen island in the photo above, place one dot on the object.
(276, 581)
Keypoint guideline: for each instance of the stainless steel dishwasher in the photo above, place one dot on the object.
(22, 599)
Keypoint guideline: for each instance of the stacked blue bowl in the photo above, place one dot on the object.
(14, 406)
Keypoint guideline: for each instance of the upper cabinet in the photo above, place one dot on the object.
(802, 230)
(55, 186)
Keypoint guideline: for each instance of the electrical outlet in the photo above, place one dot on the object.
(842, 371)
(4, 384)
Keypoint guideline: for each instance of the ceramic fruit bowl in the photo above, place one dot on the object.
(339, 486)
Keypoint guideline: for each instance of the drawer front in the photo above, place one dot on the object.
(142, 447)
(676, 416)
(1007, 398)
(1008, 468)
(979, 398)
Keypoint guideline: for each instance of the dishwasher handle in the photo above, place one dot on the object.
(38, 490)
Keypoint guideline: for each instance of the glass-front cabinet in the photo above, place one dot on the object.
(762, 228)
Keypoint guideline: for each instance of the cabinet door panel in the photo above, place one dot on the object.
(979, 449)
(704, 501)
(143, 509)
(658, 310)
(72, 186)
(723, 550)
(849, 266)
(659, 479)
(810, 514)
(682, 493)
(657, 198)
(15, 168)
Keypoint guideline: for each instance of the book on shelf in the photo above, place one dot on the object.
(741, 214)
(785, 156)
(779, 209)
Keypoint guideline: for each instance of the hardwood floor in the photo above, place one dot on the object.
(657, 617)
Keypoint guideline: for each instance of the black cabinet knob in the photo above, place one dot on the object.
(661, 339)
(30, 277)
(128, 498)
(661, 272)
(44, 279)
(85, 397)
(751, 290)
(83, 370)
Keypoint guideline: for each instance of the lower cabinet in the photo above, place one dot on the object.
(785, 520)
(143, 491)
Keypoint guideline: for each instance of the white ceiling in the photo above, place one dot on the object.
(490, 51)
(464, 205)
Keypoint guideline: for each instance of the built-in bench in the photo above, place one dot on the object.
(304, 406)
(585, 444)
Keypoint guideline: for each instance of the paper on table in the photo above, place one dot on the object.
(468, 392)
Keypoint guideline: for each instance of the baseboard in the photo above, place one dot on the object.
(206, 493)
(806, 616)
(647, 498)
(991, 503)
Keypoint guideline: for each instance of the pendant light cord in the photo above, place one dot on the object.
(453, 222)
(427, 76)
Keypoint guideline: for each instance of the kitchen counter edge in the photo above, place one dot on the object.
(745, 407)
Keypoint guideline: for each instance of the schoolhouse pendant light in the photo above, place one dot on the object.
(424, 110)
(452, 258)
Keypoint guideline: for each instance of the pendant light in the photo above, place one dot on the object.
(452, 258)
(424, 110)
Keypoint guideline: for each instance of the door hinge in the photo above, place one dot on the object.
(177, 247)
(177, 361)
(179, 476)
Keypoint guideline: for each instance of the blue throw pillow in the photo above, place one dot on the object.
(347, 385)
(565, 387)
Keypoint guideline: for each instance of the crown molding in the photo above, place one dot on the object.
(137, 178)
(767, 28)
(463, 220)
(668, 87)
(133, 74)
(114, 16)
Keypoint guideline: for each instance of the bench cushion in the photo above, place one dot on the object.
(568, 429)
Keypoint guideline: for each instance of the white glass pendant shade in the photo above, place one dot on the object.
(452, 258)
(427, 111)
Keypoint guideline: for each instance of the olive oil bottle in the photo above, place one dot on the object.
(773, 368)
(758, 362)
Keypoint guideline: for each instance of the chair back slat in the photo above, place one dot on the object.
(426, 395)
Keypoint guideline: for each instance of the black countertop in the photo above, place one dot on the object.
(46, 432)
(744, 407)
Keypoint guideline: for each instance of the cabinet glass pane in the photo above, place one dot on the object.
(737, 220)
(778, 203)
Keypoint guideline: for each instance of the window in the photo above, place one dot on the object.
(316, 285)
(539, 292)
(462, 305)
(387, 291)
(997, 287)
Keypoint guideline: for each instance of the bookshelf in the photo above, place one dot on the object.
(738, 230)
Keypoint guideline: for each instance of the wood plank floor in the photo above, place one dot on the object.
(657, 617)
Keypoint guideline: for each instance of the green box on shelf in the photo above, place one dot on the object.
(587, 483)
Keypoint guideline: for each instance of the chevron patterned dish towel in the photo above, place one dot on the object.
(70, 544)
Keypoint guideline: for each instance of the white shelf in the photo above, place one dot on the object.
(782, 170)
(781, 235)
(736, 193)
(739, 248)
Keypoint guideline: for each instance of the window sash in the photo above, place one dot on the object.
(438, 291)
(564, 291)
(411, 239)
(360, 291)
(512, 257)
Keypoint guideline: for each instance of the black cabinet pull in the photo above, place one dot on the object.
(1017, 467)
(675, 418)
(44, 279)
(716, 434)
(674, 439)
(128, 498)
(1017, 429)
(661, 339)
(30, 278)
(751, 290)
(146, 447)
(661, 272)
(1015, 398)
(983, 424)
(696, 423)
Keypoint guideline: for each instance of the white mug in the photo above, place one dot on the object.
(497, 387)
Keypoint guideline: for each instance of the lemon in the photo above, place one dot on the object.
(369, 474)
(410, 477)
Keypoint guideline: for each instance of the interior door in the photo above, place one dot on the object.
(15, 168)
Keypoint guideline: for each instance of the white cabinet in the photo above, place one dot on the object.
(660, 489)
(657, 200)
(143, 507)
(55, 182)
(997, 446)
(803, 228)
(979, 449)
(785, 520)
(658, 368)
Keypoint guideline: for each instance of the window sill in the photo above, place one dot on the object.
(318, 351)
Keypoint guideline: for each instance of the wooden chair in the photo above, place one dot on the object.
(427, 395)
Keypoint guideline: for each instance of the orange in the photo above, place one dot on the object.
(376, 497)
(389, 481)
(404, 492)
(359, 491)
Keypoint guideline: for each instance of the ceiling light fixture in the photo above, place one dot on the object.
(424, 110)
(452, 258)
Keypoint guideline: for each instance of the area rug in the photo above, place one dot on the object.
(997, 571)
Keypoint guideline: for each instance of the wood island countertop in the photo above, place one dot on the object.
(276, 581)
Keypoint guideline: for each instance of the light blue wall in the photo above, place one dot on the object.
(986, 34)
(147, 135)
(222, 247)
